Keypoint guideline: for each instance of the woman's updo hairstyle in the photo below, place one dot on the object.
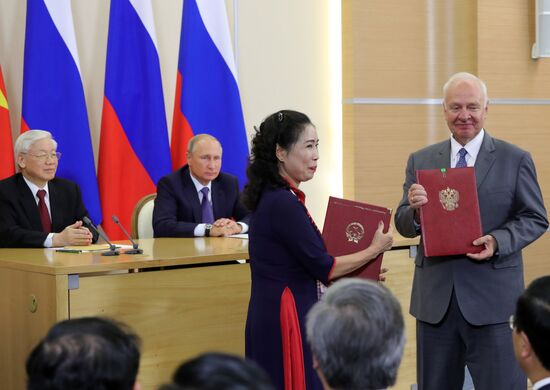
(282, 128)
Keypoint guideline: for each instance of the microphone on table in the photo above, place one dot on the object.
(134, 251)
(112, 248)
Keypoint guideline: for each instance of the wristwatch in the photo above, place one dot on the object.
(207, 228)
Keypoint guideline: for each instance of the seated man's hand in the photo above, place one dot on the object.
(222, 222)
(226, 227)
(233, 228)
(74, 234)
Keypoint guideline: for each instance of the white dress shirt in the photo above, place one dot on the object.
(471, 147)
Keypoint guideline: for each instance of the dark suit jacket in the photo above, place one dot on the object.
(20, 224)
(177, 208)
(512, 211)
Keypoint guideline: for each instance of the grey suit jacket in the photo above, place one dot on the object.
(512, 211)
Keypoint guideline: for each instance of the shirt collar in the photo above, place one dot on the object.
(34, 188)
(541, 383)
(471, 147)
(198, 184)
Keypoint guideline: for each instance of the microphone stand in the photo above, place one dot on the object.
(112, 248)
(135, 250)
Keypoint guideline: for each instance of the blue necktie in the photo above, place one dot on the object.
(462, 160)
(206, 206)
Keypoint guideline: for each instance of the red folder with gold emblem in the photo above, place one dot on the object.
(349, 227)
(450, 221)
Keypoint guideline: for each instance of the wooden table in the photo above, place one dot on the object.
(193, 299)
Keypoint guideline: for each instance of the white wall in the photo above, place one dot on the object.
(283, 56)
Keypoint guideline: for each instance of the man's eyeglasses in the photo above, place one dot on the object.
(511, 322)
(44, 156)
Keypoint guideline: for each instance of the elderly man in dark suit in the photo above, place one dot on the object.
(531, 332)
(462, 303)
(198, 200)
(36, 208)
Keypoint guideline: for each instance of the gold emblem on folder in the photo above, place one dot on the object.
(449, 198)
(355, 232)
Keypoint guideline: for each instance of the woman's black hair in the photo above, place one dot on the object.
(282, 128)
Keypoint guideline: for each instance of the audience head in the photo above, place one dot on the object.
(219, 371)
(273, 143)
(531, 329)
(356, 334)
(204, 157)
(85, 353)
(36, 156)
(465, 106)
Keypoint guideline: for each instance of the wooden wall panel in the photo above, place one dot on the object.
(506, 34)
(536, 259)
(405, 49)
(527, 126)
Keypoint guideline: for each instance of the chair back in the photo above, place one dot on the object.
(142, 217)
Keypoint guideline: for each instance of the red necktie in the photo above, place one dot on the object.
(43, 210)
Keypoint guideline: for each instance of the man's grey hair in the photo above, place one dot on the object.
(25, 140)
(199, 137)
(465, 76)
(356, 334)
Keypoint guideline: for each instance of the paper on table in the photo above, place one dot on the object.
(240, 235)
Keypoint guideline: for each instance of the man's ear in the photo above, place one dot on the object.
(525, 349)
(137, 386)
(21, 161)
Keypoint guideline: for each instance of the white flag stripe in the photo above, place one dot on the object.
(144, 10)
(62, 16)
(214, 17)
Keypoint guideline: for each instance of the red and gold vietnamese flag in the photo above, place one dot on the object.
(7, 166)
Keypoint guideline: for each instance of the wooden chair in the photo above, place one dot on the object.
(142, 217)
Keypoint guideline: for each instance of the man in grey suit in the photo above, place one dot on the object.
(462, 303)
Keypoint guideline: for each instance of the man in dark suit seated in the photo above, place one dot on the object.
(197, 200)
(531, 332)
(36, 208)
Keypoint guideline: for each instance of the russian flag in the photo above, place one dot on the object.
(53, 96)
(7, 165)
(207, 93)
(134, 152)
